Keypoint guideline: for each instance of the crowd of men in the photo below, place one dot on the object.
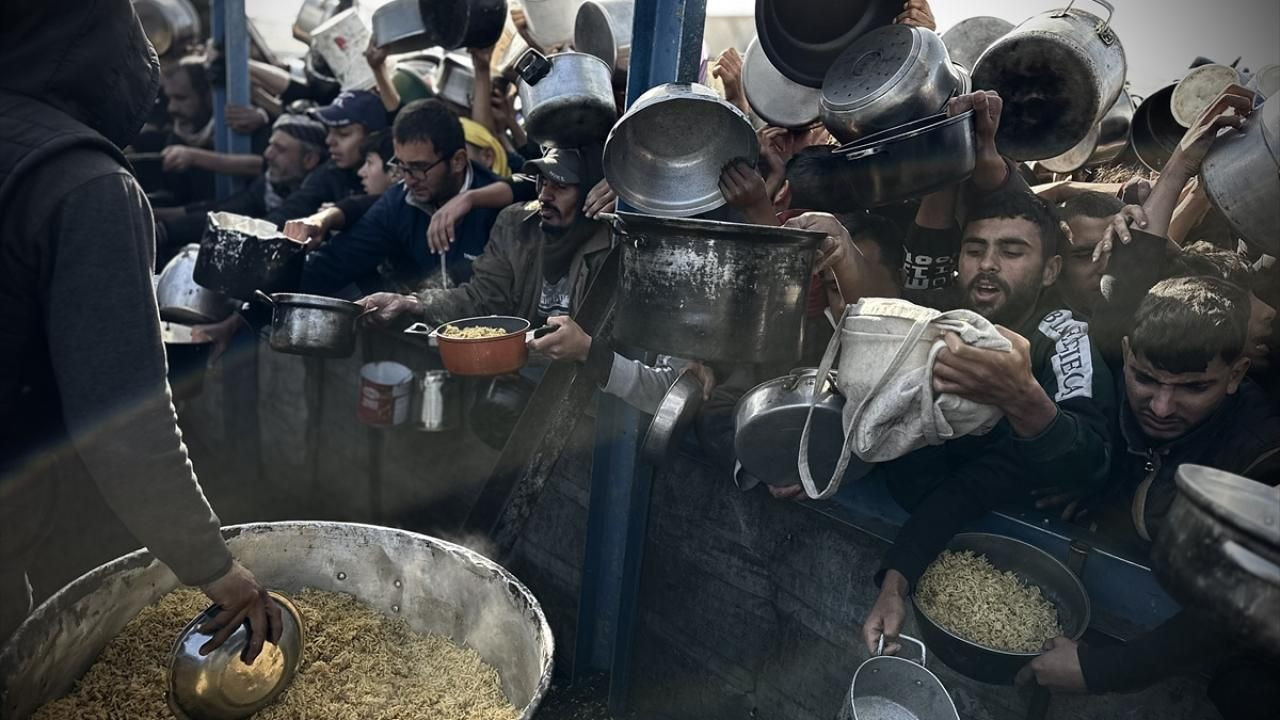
(1140, 323)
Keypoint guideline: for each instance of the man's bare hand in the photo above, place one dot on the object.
(1057, 669)
(310, 231)
(744, 189)
(887, 615)
(240, 599)
(385, 307)
(1118, 230)
(994, 377)
(602, 198)
(917, 13)
(991, 170)
(444, 222)
(177, 158)
(218, 334)
(245, 119)
(567, 342)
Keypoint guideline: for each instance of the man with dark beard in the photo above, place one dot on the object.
(540, 258)
(1053, 388)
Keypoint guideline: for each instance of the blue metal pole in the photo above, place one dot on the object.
(231, 33)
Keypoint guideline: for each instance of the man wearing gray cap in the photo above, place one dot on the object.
(540, 259)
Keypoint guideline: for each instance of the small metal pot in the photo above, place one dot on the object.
(1155, 134)
(890, 76)
(437, 404)
(1219, 551)
(603, 28)
(1241, 175)
(489, 356)
(312, 324)
(777, 99)
(1058, 74)
(676, 410)
(181, 299)
(968, 39)
(665, 155)
(912, 160)
(709, 290)
(241, 255)
(1033, 566)
(567, 98)
(891, 687)
(803, 37)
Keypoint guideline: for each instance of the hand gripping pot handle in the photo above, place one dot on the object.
(532, 66)
(1104, 26)
(923, 660)
(824, 371)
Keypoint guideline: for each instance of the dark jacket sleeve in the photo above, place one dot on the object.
(319, 187)
(110, 367)
(353, 208)
(1181, 643)
(355, 252)
(491, 289)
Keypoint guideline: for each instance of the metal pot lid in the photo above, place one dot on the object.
(872, 66)
(969, 38)
(777, 99)
(677, 409)
(804, 37)
(1076, 157)
(1198, 90)
(629, 223)
(1244, 504)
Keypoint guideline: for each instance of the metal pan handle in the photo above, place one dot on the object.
(1104, 27)
(532, 66)
(865, 152)
(923, 660)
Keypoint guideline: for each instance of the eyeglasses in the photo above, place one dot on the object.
(418, 173)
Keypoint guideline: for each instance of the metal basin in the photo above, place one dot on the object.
(777, 99)
(1033, 566)
(181, 299)
(708, 290)
(665, 154)
(436, 586)
(891, 687)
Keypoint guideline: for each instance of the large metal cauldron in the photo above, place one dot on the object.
(434, 585)
(1058, 73)
(708, 290)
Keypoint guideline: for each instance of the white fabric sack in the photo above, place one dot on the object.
(886, 350)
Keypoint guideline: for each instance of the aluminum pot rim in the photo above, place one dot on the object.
(906, 131)
(752, 234)
(291, 301)
(441, 337)
(1086, 615)
(889, 659)
(675, 411)
(799, 118)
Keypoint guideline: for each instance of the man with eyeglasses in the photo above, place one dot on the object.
(431, 158)
(540, 261)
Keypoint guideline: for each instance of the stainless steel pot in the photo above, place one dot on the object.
(769, 420)
(170, 25)
(567, 98)
(240, 255)
(1155, 134)
(1091, 150)
(181, 299)
(803, 37)
(437, 404)
(312, 324)
(675, 412)
(968, 39)
(891, 687)
(455, 81)
(1033, 566)
(603, 28)
(708, 290)
(912, 160)
(399, 27)
(1241, 175)
(312, 15)
(1219, 552)
(777, 99)
(1058, 74)
(665, 154)
(888, 77)
(435, 586)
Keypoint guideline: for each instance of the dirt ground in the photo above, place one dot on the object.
(587, 700)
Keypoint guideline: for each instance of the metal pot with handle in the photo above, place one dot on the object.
(912, 160)
(890, 76)
(1241, 175)
(1058, 74)
(890, 687)
(312, 324)
(603, 28)
(181, 299)
(776, 98)
(567, 98)
(968, 39)
(1104, 143)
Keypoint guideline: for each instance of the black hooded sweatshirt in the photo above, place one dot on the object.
(82, 367)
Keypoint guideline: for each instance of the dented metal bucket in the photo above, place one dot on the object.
(434, 585)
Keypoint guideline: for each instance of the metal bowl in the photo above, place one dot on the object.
(678, 407)
(220, 686)
(665, 155)
(1033, 566)
(181, 299)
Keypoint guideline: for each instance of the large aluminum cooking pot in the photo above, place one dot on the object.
(1104, 143)
(1219, 551)
(891, 687)
(312, 324)
(708, 290)
(435, 586)
(912, 160)
(968, 39)
(567, 98)
(890, 76)
(1155, 134)
(240, 255)
(170, 25)
(1058, 73)
(803, 37)
(181, 299)
(1241, 175)
(603, 29)
(1033, 566)
(665, 154)
(777, 99)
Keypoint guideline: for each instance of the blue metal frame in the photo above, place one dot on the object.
(231, 33)
(666, 46)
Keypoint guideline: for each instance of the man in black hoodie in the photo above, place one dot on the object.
(82, 368)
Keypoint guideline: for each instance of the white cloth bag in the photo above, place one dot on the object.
(886, 350)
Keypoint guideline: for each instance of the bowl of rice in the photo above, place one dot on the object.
(988, 603)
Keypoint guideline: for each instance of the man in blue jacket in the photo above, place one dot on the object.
(431, 155)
